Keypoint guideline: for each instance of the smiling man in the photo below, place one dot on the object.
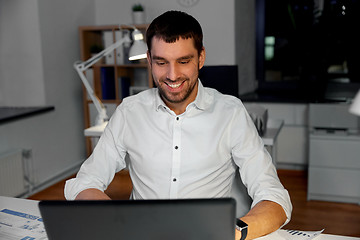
(184, 140)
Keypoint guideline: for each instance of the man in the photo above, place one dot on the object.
(184, 140)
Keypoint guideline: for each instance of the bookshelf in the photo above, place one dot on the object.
(113, 77)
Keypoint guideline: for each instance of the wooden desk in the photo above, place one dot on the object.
(31, 211)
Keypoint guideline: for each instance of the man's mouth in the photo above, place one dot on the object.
(175, 85)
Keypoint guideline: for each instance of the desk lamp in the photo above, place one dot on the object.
(355, 106)
(137, 51)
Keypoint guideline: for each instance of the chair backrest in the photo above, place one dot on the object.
(240, 194)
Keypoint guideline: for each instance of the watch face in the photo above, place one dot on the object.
(240, 223)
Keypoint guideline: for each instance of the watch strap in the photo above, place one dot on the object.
(242, 227)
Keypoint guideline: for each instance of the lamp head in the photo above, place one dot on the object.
(138, 49)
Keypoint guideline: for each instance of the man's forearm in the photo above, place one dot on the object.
(264, 218)
(92, 194)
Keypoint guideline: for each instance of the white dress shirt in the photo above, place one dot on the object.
(192, 155)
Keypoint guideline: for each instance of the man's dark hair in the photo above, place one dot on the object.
(173, 25)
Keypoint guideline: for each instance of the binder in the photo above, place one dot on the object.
(107, 83)
(108, 40)
(119, 50)
(124, 87)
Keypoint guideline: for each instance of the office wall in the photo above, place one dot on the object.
(21, 70)
(43, 45)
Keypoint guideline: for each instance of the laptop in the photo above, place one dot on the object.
(178, 219)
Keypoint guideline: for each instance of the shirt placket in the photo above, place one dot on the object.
(176, 157)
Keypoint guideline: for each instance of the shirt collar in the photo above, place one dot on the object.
(202, 101)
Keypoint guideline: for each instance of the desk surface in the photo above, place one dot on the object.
(30, 207)
(273, 128)
(13, 113)
(95, 131)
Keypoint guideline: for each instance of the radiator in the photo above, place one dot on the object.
(12, 183)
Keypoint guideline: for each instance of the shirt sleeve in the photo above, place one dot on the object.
(107, 158)
(256, 169)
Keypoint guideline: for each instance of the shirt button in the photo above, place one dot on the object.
(176, 147)
(177, 118)
(174, 179)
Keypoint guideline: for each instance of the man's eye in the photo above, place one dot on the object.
(160, 63)
(184, 62)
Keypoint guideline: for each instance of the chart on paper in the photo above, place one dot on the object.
(19, 225)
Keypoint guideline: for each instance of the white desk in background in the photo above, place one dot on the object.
(273, 128)
(95, 131)
(29, 209)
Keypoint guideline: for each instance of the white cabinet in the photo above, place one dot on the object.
(334, 154)
(334, 169)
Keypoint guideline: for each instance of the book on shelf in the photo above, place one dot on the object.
(119, 50)
(126, 49)
(108, 40)
(107, 83)
(124, 87)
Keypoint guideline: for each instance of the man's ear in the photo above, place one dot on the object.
(202, 58)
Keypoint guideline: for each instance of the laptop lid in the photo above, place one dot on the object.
(140, 219)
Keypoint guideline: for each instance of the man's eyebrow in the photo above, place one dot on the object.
(186, 57)
(190, 56)
(158, 58)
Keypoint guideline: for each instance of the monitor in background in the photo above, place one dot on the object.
(223, 78)
(200, 219)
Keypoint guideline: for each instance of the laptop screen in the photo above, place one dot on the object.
(140, 219)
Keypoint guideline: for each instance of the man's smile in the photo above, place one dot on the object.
(175, 86)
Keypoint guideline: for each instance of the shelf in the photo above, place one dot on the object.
(114, 101)
(110, 81)
(135, 65)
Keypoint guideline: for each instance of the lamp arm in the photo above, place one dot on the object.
(102, 115)
(91, 61)
(81, 67)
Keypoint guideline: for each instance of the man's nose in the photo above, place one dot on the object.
(173, 72)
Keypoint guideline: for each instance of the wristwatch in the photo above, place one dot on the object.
(242, 227)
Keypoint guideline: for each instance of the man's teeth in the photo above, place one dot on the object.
(174, 85)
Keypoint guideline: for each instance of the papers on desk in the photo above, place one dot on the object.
(292, 235)
(295, 234)
(18, 225)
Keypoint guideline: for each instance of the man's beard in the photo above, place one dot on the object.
(176, 98)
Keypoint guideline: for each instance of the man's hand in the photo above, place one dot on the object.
(266, 217)
(237, 234)
(92, 194)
